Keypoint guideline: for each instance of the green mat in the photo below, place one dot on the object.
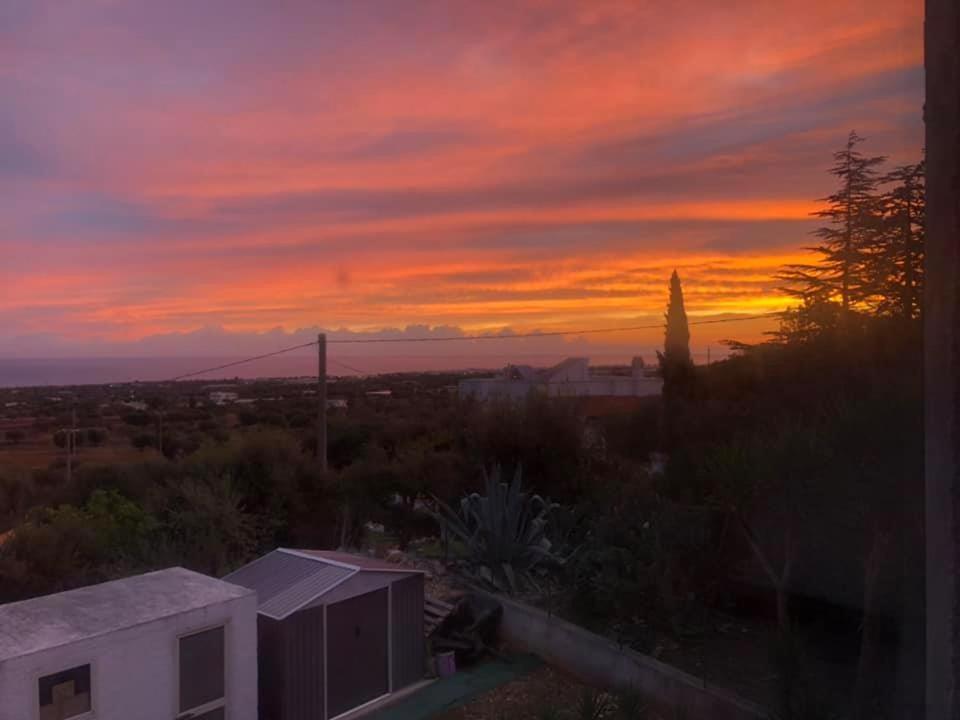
(458, 689)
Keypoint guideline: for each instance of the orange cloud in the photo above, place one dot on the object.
(486, 165)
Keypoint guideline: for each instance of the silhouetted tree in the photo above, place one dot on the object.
(895, 271)
(853, 214)
(675, 361)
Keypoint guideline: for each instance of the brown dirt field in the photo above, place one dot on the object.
(36, 456)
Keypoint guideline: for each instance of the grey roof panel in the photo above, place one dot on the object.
(285, 582)
(325, 578)
(50, 621)
(274, 573)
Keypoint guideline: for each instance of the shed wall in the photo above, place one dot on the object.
(357, 651)
(270, 665)
(303, 663)
(407, 630)
(133, 671)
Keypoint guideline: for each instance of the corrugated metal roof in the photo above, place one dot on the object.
(284, 582)
(272, 573)
(325, 578)
(287, 580)
(358, 562)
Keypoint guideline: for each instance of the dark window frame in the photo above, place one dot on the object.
(217, 703)
(90, 678)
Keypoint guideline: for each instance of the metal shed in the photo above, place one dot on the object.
(336, 631)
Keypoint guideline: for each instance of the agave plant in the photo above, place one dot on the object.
(504, 533)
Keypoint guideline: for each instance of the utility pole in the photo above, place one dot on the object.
(322, 400)
(708, 354)
(160, 430)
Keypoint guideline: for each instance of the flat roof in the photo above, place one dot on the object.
(41, 623)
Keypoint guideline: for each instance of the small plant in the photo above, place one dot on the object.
(504, 533)
(592, 705)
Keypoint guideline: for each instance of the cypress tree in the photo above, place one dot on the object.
(675, 360)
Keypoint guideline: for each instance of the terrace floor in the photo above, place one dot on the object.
(446, 694)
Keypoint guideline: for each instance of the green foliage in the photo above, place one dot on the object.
(205, 524)
(142, 441)
(122, 527)
(630, 705)
(17, 493)
(137, 419)
(504, 532)
(542, 435)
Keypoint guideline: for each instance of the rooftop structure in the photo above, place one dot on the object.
(570, 378)
(172, 643)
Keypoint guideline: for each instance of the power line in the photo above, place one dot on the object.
(368, 341)
(242, 362)
(348, 367)
(552, 333)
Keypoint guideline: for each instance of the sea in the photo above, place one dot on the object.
(30, 372)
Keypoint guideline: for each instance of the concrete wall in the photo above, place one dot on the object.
(134, 671)
(600, 662)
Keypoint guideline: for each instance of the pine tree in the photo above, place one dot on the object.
(675, 361)
(853, 215)
(895, 260)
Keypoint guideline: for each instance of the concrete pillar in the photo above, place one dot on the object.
(942, 355)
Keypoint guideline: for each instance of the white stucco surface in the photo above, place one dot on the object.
(132, 649)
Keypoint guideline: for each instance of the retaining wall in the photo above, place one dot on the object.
(602, 663)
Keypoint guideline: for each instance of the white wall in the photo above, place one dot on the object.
(134, 673)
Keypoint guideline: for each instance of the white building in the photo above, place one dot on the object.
(158, 646)
(570, 378)
(222, 397)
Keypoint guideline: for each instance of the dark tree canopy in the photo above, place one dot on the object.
(896, 255)
(853, 216)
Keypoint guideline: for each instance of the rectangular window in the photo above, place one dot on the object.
(202, 670)
(65, 694)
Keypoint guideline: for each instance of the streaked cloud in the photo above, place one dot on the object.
(177, 166)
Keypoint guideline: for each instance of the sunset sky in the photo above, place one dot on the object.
(198, 169)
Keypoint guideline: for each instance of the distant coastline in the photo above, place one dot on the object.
(39, 372)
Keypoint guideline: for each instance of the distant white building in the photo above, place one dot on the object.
(336, 403)
(134, 404)
(222, 397)
(570, 378)
(164, 645)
